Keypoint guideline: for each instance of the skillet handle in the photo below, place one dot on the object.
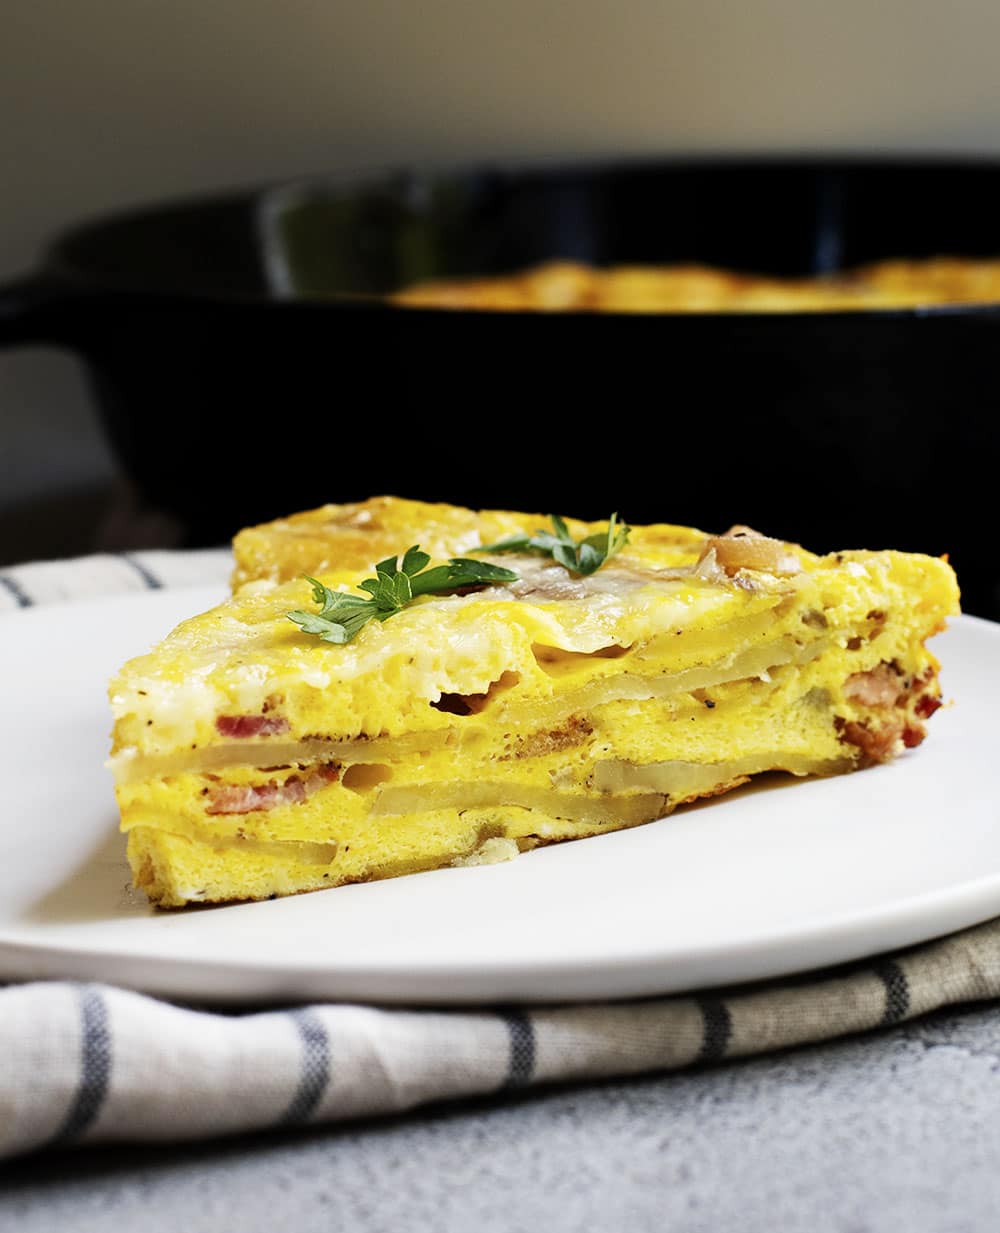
(39, 309)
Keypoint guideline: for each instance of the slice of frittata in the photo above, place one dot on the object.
(254, 759)
(358, 535)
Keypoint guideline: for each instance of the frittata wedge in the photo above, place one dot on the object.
(254, 759)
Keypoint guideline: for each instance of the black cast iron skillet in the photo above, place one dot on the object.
(245, 366)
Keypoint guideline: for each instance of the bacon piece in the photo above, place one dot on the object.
(876, 744)
(927, 704)
(913, 734)
(243, 726)
(254, 798)
(249, 798)
(879, 686)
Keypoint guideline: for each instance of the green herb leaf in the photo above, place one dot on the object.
(342, 614)
(460, 572)
(580, 557)
(414, 561)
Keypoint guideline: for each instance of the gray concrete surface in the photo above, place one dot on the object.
(896, 1131)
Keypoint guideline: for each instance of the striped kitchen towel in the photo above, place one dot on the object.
(92, 1064)
(52, 582)
(86, 1063)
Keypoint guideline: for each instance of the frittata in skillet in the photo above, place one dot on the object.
(570, 286)
(535, 689)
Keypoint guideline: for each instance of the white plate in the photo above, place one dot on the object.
(774, 879)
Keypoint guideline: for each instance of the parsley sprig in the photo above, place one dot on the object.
(579, 556)
(343, 614)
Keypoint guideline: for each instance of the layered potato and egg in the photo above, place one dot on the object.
(252, 760)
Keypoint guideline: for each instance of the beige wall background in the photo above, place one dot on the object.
(105, 103)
